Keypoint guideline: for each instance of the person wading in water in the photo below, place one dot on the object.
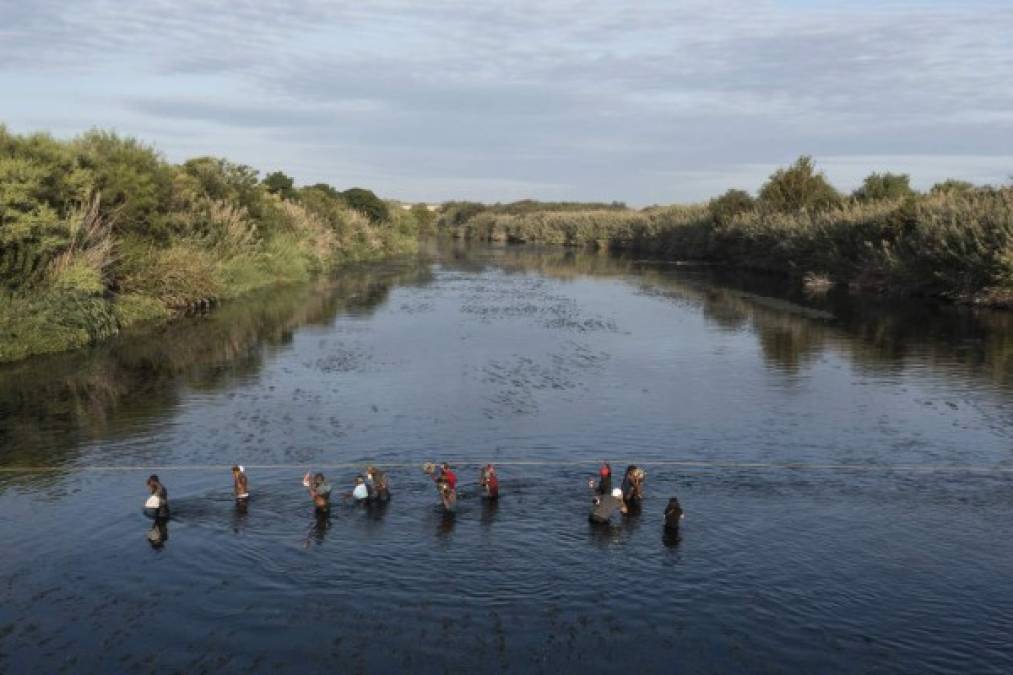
(603, 506)
(319, 490)
(633, 488)
(240, 483)
(604, 484)
(379, 482)
(157, 505)
(489, 482)
(446, 484)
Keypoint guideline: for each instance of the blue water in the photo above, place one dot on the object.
(845, 464)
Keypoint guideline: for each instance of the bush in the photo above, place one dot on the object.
(951, 185)
(133, 181)
(424, 218)
(798, 188)
(366, 202)
(100, 233)
(729, 205)
(879, 186)
(279, 184)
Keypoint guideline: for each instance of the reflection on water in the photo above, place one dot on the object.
(158, 534)
(843, 462)
(49, 404)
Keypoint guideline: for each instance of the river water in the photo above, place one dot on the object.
(845, 465)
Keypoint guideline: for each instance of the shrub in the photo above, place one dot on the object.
(879, 186)
(951, 185)
(366, 202)
(729, 205)
(798, 188)
(424, 218)
(279, 184)
(134, 182)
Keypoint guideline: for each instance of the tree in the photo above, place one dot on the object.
(879, 186)
(424, 217)
(326, 189)
(367, 202)
(798, 188)
(134, 182)
(280, 184)
(729, 205)
(951, 186)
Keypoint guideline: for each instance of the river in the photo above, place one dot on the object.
(845, 465)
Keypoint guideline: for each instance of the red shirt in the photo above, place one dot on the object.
(451, 478)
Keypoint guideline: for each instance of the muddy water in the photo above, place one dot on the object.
(846, 467)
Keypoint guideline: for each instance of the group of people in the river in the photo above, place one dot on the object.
(373, 486)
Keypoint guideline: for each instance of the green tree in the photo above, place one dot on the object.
(951, 186)
(220, 179)
(878, 186)
(366, 202)
(280, 184)
(134, 181)
(798, 188)
(729, 205)
(326, 189)
(424, 217)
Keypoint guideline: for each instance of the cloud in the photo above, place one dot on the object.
(565, 99)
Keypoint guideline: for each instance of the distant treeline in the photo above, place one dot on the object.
(100, 233)
(954, 241)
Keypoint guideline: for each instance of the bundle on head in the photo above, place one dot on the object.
(429, 467)
(639, 473)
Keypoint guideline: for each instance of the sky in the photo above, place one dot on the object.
(644, 102)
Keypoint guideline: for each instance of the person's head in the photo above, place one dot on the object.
(370, 470)
(605, 470)
(153, 482)
(236, 470)
(359, 480)
(630, 470)
(318, 479)
(445, 466)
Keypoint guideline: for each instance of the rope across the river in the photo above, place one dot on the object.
(684, 464)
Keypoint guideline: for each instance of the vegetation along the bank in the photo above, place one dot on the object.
(954, 241)
(100, 233)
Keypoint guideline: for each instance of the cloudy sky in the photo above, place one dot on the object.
(646, 102)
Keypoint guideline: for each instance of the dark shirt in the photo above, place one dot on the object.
(163, 501)
(673, 515)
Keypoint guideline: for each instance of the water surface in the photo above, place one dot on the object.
(846, 466)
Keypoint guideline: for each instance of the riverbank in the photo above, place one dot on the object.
(100, 233)
(955, 244)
